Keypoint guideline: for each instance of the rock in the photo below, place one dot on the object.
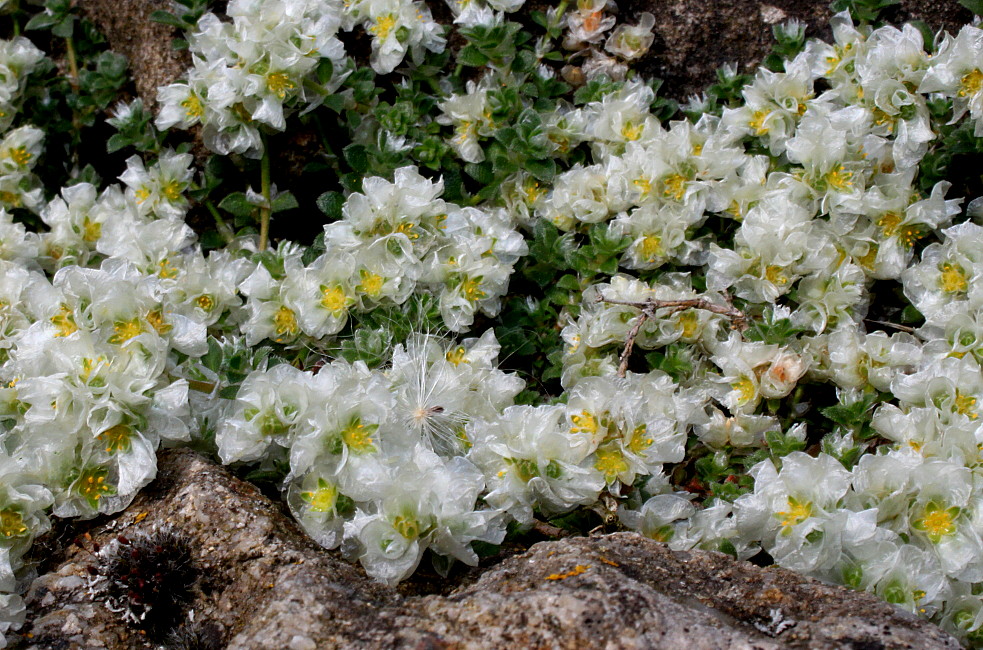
(127, 26)
(259, 583)
(694, 37)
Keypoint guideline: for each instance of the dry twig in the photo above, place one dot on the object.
(650, 306)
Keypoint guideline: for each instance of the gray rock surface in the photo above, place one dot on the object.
(260, 583)
(695, 37)
(127, 26)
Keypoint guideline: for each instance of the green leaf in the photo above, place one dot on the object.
(41, 21)
(229, 392)
(543, 170)
(116, 142)
(167, 18)
(331, 203)
(65, 28)
(236, 204)
(284, 202)
(335, 102)
(325, 70)
(357, 157)
(213, 358)
(976, 6)
(569, 282)
(471, 56)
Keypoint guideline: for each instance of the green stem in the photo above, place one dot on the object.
(73, 67)
(264, 211)
(223, 228)
(201, 386)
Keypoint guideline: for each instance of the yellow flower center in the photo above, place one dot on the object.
(279, 84)
(156, 320)
(651, 248)
(383, 26)
(126, 330)
(20, 155)
(533, 191)
(371, 284)
(868, 259)
(798, 511)
(953, 279)
(584, 423)
(142, 194)
(322, 499)
(408, 527)
(644, 185)
(611, 463)
(689, 322)
(10, 198)
(965, 405)
(91, 231)
(889, 223)
(285, 323)
(971, 83)
(745, 390)
(358, 437)
(937, 522)
(172, 190)
(757, 122)
(166, 270)
(92, 485)
(116, 438)
(639, 440)
(632, 131)
(456, 356)
(192, 107)
(839, 178)
(205, 302)
(674, 187)
(64, 321)
(408, 229)
(11, 523)
(775, 275)
(334, 299)
(471, 288)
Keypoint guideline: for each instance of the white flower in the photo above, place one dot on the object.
(632, 41)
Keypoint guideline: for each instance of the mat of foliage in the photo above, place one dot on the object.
(495, 282)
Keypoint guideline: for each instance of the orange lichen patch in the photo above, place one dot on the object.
(607, 561)
(576, 571)
(140, 517)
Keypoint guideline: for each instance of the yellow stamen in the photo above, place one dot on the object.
(456, 356)
(126, 330)
(971, 83)
(953, 279)
(798, 511)
(279, 84)
(285, 323)
(584, 423)
(334, 299)
(383, 26)
(64, 321)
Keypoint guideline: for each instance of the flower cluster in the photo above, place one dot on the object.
(393, 240)
(712, 290)
(274, 57)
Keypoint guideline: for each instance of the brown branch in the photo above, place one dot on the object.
(649, 307)
(902, 328)
(549, 530)
(630, 343)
